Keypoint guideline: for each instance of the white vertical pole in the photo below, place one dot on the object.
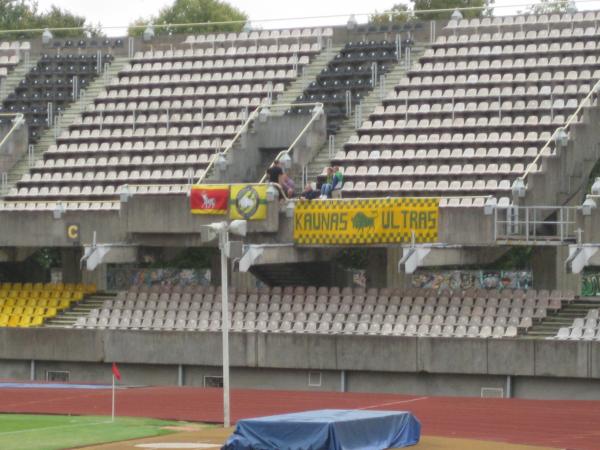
(225, 325)
(112, 416)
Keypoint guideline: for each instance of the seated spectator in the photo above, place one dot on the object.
(274, 174)
(309, 193)
(338, 179)
(287, 184)
(327, 186)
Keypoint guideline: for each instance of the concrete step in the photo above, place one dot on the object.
(309, 74)
(549, 326)
(73, 111)
(68, 317)
(368, 105)
(8, 85)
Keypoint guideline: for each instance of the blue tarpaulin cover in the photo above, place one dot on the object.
(328, 429)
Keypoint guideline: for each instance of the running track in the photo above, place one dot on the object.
(560, 424)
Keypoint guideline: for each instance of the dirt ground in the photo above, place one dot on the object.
(214, 437)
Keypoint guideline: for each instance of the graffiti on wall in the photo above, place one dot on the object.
(456, 280)
(122, 277)
(590, 284)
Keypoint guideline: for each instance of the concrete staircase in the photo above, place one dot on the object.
(10, 83)
(347, 128)
(563, 318)
(309, 74)
(73, 111)
(68, 317)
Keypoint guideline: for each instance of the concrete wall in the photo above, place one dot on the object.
(15, 146)
(254, 153)
(283, 361)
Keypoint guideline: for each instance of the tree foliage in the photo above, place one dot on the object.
(397, 15)
(551, 6)
(449, 5)
(193, 11)
(25, 14)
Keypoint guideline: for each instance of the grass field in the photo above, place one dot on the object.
(40, 432)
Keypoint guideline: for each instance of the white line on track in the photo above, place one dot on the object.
(394, 403)
(54, 427)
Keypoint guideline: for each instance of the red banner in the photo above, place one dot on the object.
(209, 199)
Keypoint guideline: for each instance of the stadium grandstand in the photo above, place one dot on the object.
(406, 207)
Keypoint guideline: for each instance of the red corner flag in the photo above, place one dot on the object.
(115, 371)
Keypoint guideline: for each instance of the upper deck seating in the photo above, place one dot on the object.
(477, 110)
(163, 118)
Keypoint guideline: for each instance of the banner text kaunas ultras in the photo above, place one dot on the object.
(366, 221)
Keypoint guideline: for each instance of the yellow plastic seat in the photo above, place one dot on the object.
(7, 310)
(25, 321)
(52, 303)
(77, 296)
(28, 286)
(63, 304)
(50, 312)
(17, 310)
(39, 311)
(10, 301)
(14, 321)
(34, 294)
(4, 320)
(36, 321)
(22, 302)
(45, 294)
(28, 311)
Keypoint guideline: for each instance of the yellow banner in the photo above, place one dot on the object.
(248, 201)
(366, 221)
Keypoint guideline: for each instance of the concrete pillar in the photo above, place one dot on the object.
(96, 276)
(376, 263)
(71, 258)
(215, 269)
(395, 279)
(548, 266)
(243, 280)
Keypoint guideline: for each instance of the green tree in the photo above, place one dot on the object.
(193, 11)
(552, 6)
(25, 14)
(449, 5)
(398, 14)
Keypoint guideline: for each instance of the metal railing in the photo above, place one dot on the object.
(317, 111)
(531, 224)
(278, 109)
(18, 120)
(570, 120)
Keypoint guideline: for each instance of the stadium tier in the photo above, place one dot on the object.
(473, 313)
(31, 304)
(477, 110)
(166, 114)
